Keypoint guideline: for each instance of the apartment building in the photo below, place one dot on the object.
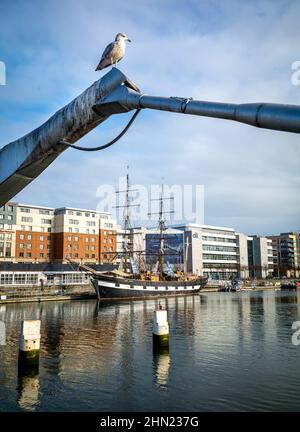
(84, 235)
(286, 253)
(34, 233)
(44, 234)
(7, 231)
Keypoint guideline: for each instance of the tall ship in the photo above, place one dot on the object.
(135, 277)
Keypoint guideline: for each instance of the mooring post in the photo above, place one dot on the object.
(29, 345)
(160, 328)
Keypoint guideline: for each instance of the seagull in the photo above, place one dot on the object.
(114, 52)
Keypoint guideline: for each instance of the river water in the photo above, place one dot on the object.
(228, 352)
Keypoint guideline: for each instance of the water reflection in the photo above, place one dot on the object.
(28, 388)
(99, 355)
(161, 366)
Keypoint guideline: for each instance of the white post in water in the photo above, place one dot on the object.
(29, 346)
(160, 328)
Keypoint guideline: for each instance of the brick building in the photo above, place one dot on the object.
(44, 234)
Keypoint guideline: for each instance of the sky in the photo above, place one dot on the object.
(233, 51)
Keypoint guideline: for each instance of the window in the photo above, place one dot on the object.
(93, 231)
(77, 230)
(70, 212)
(29, 236)
(21, 254)
(76, 238)
(1, 226)
(22, 236)
(105, 240)
(93, 239)
(22, 227)
(93, 255)
(105, 248)
(29, 228)
(48, 229)
(44, 212)
(93, 215)
(93, 247)
(86, 239)
(26, 219)
(76, 255)
(87, 214)
(108, 225)
(8, 249)
(9, 227)
(25, 210)
(76, 247)
(41, 255)
(41, 246)
(69, 238)
(28, 245)
(9, 217)
(1, 216)
(87, 231)
(90, 223)
(87, 247)
(74, 222)
(70, 230)
(105, 233)
(42, 229)
(78, 214)
(41, 238)
(86, 255)
(10, 208)
(28, 254)
(21, 245)
(46, 221)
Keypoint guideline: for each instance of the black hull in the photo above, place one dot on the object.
(145, 289)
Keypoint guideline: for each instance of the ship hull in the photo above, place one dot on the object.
(119, 288)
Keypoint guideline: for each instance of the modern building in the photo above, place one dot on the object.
(36, 234)
(212, 251)
(286, 252)
(245, 254)
(261, 264)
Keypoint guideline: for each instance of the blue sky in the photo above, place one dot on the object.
(233, 51)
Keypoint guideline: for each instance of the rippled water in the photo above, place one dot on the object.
(228, 351)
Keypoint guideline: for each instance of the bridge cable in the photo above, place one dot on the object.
(104, 146)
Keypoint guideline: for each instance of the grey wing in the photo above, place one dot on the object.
(106, 54)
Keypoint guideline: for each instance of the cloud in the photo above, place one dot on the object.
(221, 51)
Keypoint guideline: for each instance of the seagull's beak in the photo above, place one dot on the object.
(128, 40)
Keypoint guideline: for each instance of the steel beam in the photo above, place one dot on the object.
(263, 115)
(23, 160)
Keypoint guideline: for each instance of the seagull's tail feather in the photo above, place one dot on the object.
(101, 65)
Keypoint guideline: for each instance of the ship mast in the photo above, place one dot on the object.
(162, 228)
(127, 243)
